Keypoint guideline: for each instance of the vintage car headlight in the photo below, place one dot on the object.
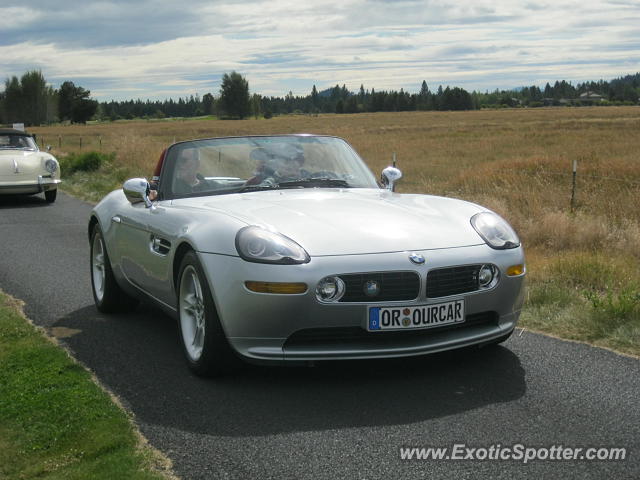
(51, 165)
(495, 231)
(255, 244)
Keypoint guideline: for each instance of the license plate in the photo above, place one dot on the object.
(415, 317)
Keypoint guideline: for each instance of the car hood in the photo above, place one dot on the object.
(351, 221)
(27, 161)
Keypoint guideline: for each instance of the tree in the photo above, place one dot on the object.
(74, 103)
(256, 102)
(455, 99)
(208, 104)
(234, 95)
(351, 105)
(34, 97)
(12, 100)
(28, 100)
(423, 97)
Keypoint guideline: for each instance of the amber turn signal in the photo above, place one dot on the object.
(276, 287)
(515, 270)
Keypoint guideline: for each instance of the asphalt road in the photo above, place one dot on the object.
(341, 420)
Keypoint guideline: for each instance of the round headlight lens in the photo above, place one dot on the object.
(487, 276)
(330, 289)
(256, 247)
(51, 165)
(495, 231)
(256, 244)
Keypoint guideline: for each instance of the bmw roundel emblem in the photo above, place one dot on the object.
(416, 258)
(371, 288)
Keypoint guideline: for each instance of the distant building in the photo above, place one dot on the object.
(590, 97)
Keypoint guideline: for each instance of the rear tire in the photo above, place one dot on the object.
(203, 340)
(107, 294)
(50, 195)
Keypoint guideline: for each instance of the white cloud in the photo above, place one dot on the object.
(154, 48)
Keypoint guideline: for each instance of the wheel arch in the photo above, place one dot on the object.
(181, 251)
(93, 221)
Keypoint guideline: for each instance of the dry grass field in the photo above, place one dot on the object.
(583, 265)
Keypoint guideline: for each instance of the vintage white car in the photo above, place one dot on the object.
(286, 249)
(24, 169)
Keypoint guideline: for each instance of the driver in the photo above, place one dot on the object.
(187, 178)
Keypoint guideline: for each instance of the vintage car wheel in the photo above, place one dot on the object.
(107, 294)
(50, 195)
(203, 340)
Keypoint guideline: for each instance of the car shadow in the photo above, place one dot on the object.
(138, 356)
(23, 201)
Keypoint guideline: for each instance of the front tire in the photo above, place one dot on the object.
(107, 294)
(203, 340)
(50, 195)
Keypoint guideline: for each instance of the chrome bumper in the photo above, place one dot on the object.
(43, 184)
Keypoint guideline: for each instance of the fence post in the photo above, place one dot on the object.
(80, 143)
(59, 141)
(573, 186)
(100, 142)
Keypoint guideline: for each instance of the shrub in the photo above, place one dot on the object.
(84, 162)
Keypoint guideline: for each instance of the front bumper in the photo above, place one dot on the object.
(42, 184)
(272, 327)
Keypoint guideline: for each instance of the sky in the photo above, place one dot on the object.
(156, 49)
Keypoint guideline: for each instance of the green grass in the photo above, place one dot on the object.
(92, 184)
(55, 421)
(588, 297)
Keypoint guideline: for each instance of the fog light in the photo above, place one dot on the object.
(487, 276)
(515, 270)
(277, 287)
(330, 289)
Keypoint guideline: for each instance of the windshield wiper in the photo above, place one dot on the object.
(315, 182)
(303, 182)
(257, 188)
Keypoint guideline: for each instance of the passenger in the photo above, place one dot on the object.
(284, 166)
(264, 170)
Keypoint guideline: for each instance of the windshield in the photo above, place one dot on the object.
(246, 164)
(17, 142)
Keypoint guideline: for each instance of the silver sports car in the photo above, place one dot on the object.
(286, 249)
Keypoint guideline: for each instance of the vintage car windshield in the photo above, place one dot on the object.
(22, 142)
(246, 164)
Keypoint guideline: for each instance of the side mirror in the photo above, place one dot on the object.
(390, 176)
(137, 190)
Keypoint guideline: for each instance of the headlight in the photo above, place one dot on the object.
(495, 231)
(51, 165)
(255, 244)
